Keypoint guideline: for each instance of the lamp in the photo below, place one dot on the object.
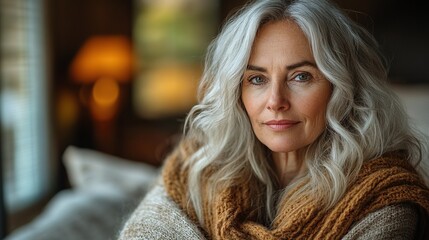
(104, 62)
(102, 65)
(102, 56)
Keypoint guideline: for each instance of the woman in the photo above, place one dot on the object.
(296, 136)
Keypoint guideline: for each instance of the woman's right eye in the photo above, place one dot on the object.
(256, 80)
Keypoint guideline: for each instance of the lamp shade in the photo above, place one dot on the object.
(103, 56)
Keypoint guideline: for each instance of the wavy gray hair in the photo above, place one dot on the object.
(364, 118)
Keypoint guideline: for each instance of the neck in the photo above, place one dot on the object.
(288, 167)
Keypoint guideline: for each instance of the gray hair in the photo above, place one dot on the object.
(364, 118)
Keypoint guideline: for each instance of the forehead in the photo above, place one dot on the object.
(281, 39)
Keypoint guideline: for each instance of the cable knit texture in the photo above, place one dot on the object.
(392, 222)
(382, 182)
(158, 217)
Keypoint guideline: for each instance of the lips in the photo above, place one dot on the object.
(281, 124)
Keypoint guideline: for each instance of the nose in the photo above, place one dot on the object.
(278, 98)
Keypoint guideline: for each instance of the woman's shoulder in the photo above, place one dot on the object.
(159, 217)
(398, 221)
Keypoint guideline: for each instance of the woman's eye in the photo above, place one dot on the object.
(302, 77)
(257, 80)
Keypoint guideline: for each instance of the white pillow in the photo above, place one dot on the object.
(94, 171)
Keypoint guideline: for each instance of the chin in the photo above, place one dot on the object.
(281, 149)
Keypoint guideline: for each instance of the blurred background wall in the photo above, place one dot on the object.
(118, 76)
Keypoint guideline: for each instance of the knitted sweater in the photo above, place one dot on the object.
(159, 217)
(376, 206)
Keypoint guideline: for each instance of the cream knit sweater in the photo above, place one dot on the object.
(159, 217)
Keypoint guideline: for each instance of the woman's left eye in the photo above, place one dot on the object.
(302, 77)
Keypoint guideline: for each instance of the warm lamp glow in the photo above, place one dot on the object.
(67, 109)
(105, 92)
(104, 99)
(103, 56)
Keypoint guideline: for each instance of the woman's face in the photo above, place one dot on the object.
(284, 93)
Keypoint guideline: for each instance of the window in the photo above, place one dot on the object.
(27, 168)
(170, 39)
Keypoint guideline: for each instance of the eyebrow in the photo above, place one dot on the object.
(289, 67)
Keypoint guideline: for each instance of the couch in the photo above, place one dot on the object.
(105, 190)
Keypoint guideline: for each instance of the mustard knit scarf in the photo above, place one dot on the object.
(381, 182)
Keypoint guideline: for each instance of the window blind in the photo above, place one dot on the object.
(24, 104)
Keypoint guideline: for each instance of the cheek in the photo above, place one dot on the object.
(315, 110)
(250, 104)
(317, 124)
(252, 114)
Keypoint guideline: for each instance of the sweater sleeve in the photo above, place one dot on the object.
(398, 222)
(159, 217)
